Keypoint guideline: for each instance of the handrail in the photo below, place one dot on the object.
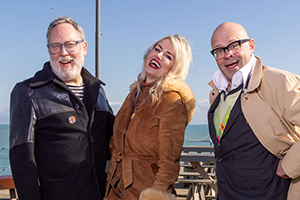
(2, 149)
(6, 168)
(6, 182)
(205, 139)
(198, 149)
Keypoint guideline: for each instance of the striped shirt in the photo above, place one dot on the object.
(77, 90)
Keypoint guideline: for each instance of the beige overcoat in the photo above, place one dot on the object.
(271, 106)
(146, 149)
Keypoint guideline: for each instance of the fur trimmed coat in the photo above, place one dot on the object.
(146, 146)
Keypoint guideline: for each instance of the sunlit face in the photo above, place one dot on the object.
(232, 62)
(67, 65)
(160, 61)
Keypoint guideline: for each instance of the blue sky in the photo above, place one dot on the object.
(130, 26)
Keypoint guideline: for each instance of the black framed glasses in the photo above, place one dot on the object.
(69, 46)
(233, 47)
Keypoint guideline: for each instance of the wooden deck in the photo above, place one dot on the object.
(190, 178)
(181, 190)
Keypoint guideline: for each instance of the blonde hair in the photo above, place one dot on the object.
(61, 20)
(179, 72)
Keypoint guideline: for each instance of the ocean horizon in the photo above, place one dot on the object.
(195, 135)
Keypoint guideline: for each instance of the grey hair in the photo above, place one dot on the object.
(61, 20)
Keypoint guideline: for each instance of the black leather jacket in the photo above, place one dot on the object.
(59, 144)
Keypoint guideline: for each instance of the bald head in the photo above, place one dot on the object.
(230, 31)
(233, 41)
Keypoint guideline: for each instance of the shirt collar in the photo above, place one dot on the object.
(238, 78)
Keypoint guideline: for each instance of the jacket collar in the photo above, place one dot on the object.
(43, 76)
(186, 95)
(241, 76)
(255, 78)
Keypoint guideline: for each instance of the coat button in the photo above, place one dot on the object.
(77, 106)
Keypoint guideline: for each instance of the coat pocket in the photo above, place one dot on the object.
(59, 189)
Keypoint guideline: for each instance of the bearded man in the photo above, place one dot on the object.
(60, 124)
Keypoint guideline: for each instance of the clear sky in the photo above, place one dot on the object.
(130, 26)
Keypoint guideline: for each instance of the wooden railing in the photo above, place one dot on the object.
(7, 183)
(198, 149)
(198, 171)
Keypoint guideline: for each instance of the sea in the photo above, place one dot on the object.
(195, 135)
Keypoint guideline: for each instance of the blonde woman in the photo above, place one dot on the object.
(149, 128)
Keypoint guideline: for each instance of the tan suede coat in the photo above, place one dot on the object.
(271, 106)
(146, 149)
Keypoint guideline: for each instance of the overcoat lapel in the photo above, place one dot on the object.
(233, 115)
(211, 126)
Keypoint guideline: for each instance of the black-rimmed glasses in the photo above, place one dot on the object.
(70, 46)
(233, 47)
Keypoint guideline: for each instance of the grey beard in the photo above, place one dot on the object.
(67, 75)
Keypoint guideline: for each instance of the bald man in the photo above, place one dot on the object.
(253, 121)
